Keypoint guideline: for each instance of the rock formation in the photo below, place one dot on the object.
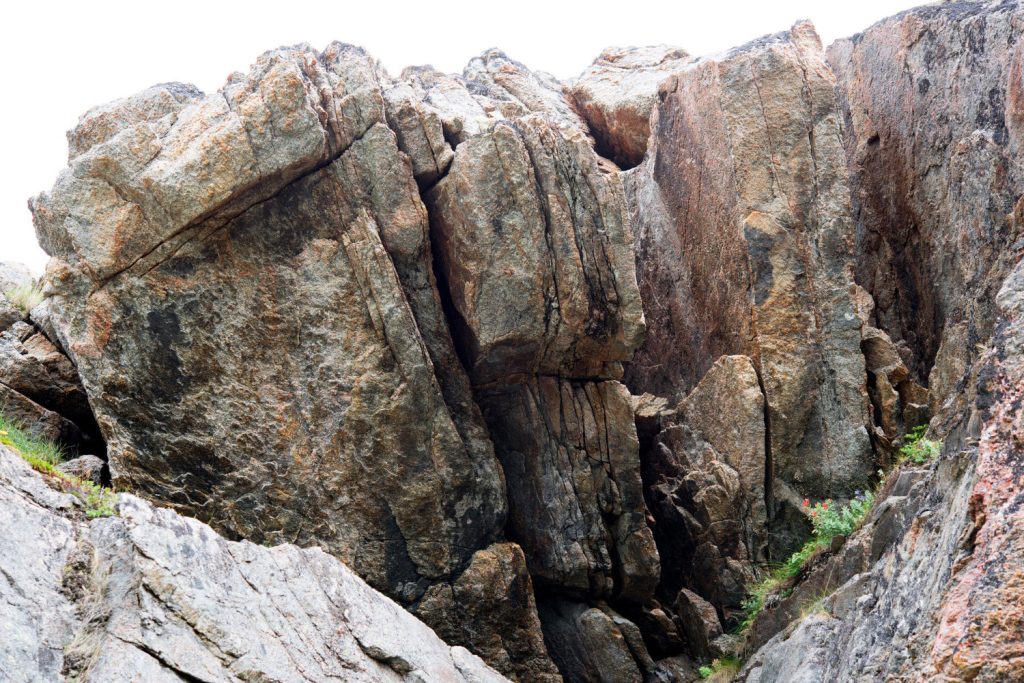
(150, 595)
(934, 108)
(553, 366)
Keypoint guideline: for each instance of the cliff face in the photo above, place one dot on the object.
(554, 367)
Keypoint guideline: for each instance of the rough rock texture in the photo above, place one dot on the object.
(705, 487)
(743, 187)
(491, 608)
(569, 450)
(149, 595)
(938, 594)
(616, 94)
(397, 318)
(934, 106)
(324, 403)
(85, 467)
(532, 241)
(31, 365)
(593, 644)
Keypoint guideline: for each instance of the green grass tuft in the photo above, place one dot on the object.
(727, 666)
(25, 297)
(918, 449)
(44, 455)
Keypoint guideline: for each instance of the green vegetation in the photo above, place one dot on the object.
(44, 456)
(918, 449)
(25, 297)
(728, 666)
(830, 521)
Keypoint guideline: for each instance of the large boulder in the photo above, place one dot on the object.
(934, 106)
(244, 282)
(744, 187)
(150, 595)
(533, 244)
(616, 94)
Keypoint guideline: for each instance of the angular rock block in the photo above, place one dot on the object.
(616, 94)
(570, 455)
(244, 282)
(150, 595)
(706, 489)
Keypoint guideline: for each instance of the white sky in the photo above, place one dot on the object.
(63, 58)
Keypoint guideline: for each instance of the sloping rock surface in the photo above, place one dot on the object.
(150, 595)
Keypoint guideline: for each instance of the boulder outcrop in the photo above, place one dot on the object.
(616, 94)
(933, 101)
(557, 367)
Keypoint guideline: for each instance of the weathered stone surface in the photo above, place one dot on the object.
(569, 451)
(31, 365)
(36, 419)
(615, 95)
(587, 644)
(149, 595)
(533, 241)
(85, 467)
(743, 187)
(515, 90)
(934, 102)
(947, 591)
(705, 478)
(491, 607)
(308, 408)
(699, 622)
(533, 245)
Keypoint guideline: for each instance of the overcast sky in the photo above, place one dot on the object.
(63, 58)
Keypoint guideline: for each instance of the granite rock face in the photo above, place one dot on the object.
(705, 487)
(616, 94)
(245, 285)
(743, 186)
(150, 595)
(553, 366)
(938, 567)
(934, 106)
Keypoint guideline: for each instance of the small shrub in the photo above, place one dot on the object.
(44, 455)
(918, 449)
(25, 297)
(830, 520)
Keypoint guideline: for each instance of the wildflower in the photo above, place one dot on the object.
(824, 506)
(814, 513)
(3, 432)
(807, 503)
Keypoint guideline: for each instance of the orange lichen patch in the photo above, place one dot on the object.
(99, 321)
